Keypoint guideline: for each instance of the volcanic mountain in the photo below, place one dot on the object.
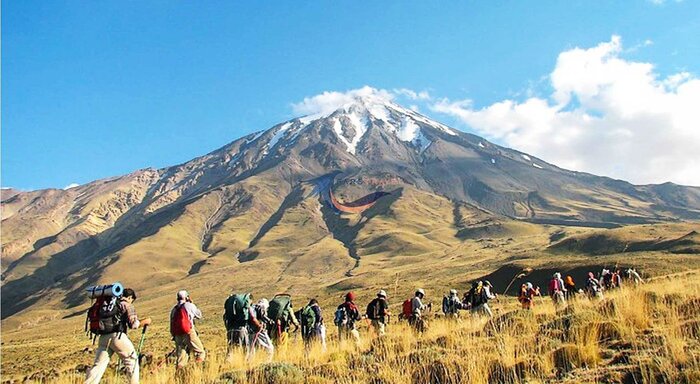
(248, 209)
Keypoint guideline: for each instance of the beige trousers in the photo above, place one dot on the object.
(108, 344)
(379, 327)
(347, 333)
(184, 344)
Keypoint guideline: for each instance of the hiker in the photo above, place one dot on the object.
(312, 327)
(417, 308)
(634, 276)
(570, 287)
(527, 294)
(451, 305)
(346, 315)
(118, 316)
(261, 338)
(617, 279)
(593, 288)
(281, 312)
(238, 318)
(606, 279)
(479, 296)
(378, 313)
(489, 291)
(557, 290)
(182, 330)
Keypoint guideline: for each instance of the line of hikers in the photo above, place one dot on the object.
(265, 324)
(560, 290)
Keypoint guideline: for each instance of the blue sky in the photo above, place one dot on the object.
(98, 89)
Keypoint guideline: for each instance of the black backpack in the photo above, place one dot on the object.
(446, 305)
(105, 316)
(373, 309)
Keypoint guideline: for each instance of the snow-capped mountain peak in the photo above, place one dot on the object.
(352, 120)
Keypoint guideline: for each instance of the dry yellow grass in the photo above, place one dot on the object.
(646, 334)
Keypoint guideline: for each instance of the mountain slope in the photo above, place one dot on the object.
(248, 203)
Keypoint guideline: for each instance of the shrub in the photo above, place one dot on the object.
(276, 373)
(571, 356)
(439, 371)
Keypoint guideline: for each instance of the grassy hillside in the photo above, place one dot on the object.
(230, 240)
(647, 334)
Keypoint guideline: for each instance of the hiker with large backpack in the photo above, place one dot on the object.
(557, 290)
(593, 287)
(312, 327)
(237, 318)
(570, 288)
(186, 339)
(451, 305)
(378, 313)
(527, 294)
(346, 315)
(479, 296)
(281, 312)
(633, 276)
(406, 310)
(617, 279)
(606, 279)
(109, 318)
(261, 338)
(417, 308)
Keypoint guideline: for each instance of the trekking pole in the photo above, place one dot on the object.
(520, 275)
(396, 285)
(143, 338)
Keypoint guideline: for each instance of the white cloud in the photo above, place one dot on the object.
(72, 185)
(329, 101)
(606, 115)
(411, 94)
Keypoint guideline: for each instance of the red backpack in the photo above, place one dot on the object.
(407, 309)
(180, 323)
(554, 286)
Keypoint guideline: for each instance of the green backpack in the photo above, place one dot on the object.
(279, 307)
(237, 310)
(308, 317)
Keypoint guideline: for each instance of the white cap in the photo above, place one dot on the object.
(381, 293)
(421, 291)
(453, 291)
(263, 303)
(182, 295)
